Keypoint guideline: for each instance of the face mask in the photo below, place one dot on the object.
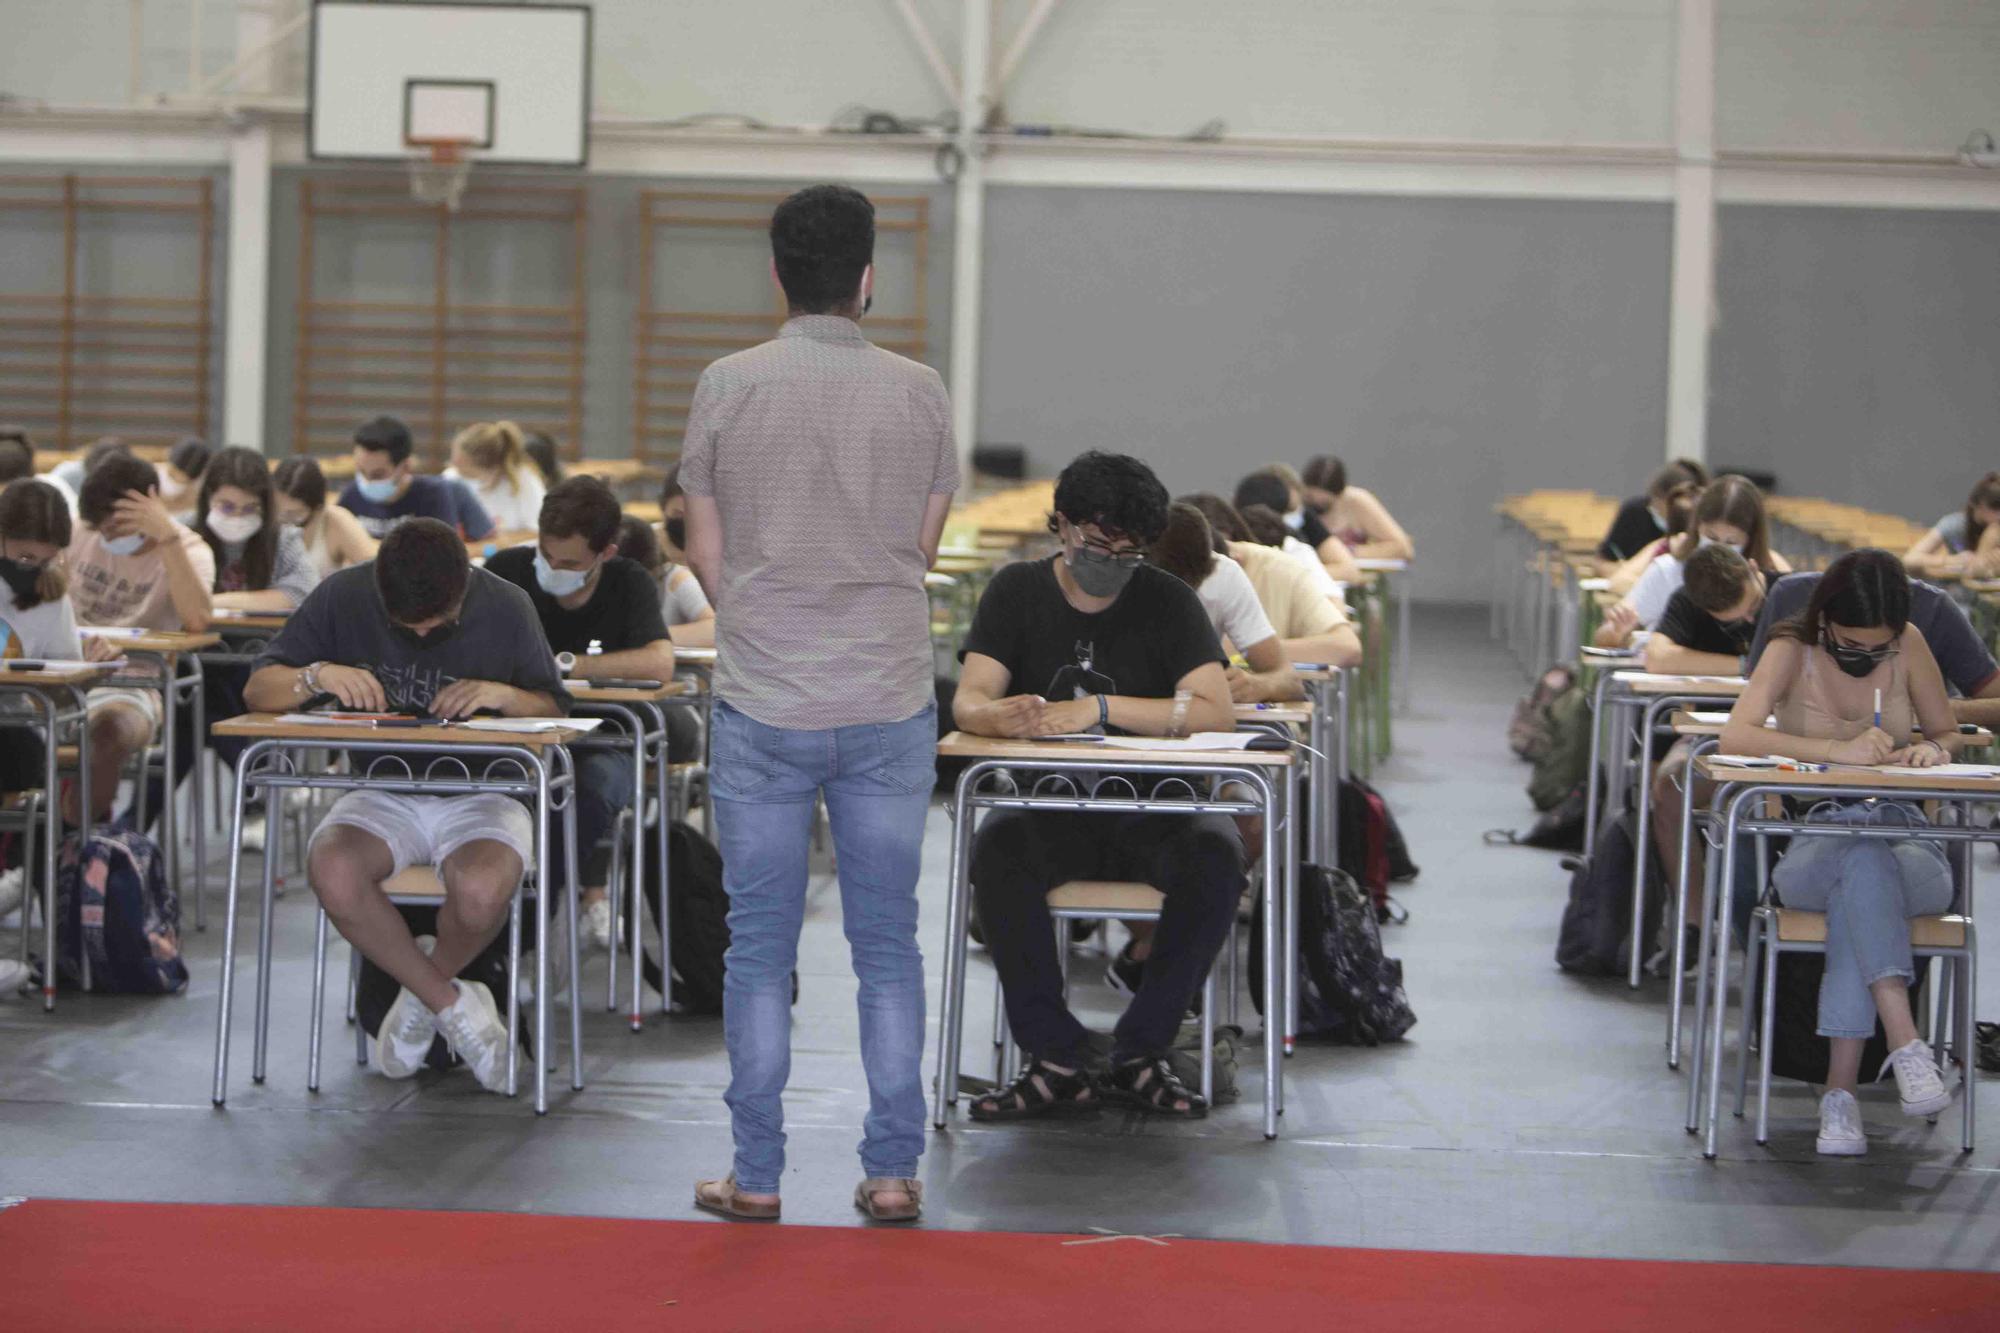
(1296, 519)
(235, 529)
(429, 639)
(171, 489)
(380, 490)
(24, 579)
(1710, 541)
(129, 544)
(1856, 662)
(677, 532)
(1097, 574)
(559, 582)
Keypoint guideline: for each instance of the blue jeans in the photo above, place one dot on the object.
(877, 782)
(1869, 890)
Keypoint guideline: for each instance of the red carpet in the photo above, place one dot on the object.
(75, 1266)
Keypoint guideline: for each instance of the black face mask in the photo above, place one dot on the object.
(677, 532)
(1856, 662)
(24, 579)
(429, 639)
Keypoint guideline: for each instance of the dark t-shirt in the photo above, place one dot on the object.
(1630, 531)
(1141, 646)
(498, 639)
(1312, 528)
(1691, 627)
(428, 497)
(622, 613)
(1962, 659)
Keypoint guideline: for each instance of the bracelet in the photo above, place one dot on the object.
(1177, 724)
(1103, 711)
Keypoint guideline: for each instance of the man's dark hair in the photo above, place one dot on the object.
(421, 570)
(1186, 549)
(300, 478)
(1263, 488)
(106, 484)
(1115, 493)
(108, 447)
(821, 239)
(541, 449)
(581, 507)
(384, 435)
(1326, 473)
(1863, 589)
(1224, 523)
(1267, 527)
(1714, 578)
(1692, 470)
(190, 454)
(17, 455)
(638, 542)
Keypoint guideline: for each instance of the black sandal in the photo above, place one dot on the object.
(1042, 1089)
(1154, 1087)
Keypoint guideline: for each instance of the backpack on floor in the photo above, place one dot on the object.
(700, 918)
(117, 919)
(1350, 993)
(375, 990)
(1372, 850)
(1530, 733)
(1561, 768)
(1595, 938)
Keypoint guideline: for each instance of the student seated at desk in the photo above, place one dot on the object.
(69, 475)
(1092, 638)
(491, 457)
(17, 460)
(180, 476)
(587, 594)
(418, 630)
(1303, 531)
(690, 618)
(1311, 626)
(333, 537)
(131, 565)
(1827, 673)
(1963, 543)
(1730, 513)
(1645, 519)
(36, 619)
(1353, 514)
(1186, 549)
(387, 489)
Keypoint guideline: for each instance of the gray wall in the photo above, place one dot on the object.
(527, 263)
(1857, 354)
(1452, 350)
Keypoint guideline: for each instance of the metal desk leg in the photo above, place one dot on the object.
(544, 886)
(952, 1010)
(273, 849)
(1679, 979)
(1643, 833)
(1597, 724)
(663, 831)
(198, 698)
(244, 764)
(1403, 640)
(575, 890)
(1715, 1017)
(1704, 967)
(638, 920)
(1291, 889)
(1273, 1057)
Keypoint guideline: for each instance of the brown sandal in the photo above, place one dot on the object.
(865, 1192)
(722, 1198)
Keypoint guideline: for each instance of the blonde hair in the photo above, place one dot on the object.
(497, 446)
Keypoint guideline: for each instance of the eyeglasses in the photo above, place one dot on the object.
(1131, 558)
(1878, 654)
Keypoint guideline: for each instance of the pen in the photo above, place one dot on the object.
(1878, 710)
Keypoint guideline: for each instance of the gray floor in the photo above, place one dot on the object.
(1529, 1112)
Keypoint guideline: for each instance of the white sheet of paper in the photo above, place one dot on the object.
(1943, 771)
(61, 664)
(1201, 740)
(111, 632)
(532, 724)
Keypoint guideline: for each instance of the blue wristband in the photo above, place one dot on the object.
(1103, 711)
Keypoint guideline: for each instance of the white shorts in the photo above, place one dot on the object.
(424, 830)
(146, 702)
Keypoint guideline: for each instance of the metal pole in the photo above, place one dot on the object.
(969, 226)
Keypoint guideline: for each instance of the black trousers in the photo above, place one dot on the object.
(1019, 855)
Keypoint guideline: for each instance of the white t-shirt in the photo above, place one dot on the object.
(1232, 605)
(1655, 588)
(45, 630)
(1308, 557)
(514, 508)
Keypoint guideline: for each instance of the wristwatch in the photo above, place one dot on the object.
(308, 682)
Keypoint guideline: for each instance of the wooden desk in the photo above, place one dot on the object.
(961, 745)
(70, 678)
(1295, 714)
(343, 735)
(646, 511)
(584, 692)
(614, 471)
(229, 622)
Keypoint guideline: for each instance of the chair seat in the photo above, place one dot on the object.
(415, 883)
(1084, 895)
(1796, 926)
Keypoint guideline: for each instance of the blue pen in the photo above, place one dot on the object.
(1878, 710)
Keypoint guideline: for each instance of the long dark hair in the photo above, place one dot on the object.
(300, 478)
(34, 511)
(246, 470)
(1986, 494)
(1863, 589)
(1736, 501)
(1224, 523)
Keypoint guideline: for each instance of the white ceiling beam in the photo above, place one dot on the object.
(920, 33)
(1691, 288)
(1023, 39)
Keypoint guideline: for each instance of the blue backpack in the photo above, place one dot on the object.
(118, 921)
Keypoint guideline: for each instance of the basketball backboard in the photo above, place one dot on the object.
(507, 83)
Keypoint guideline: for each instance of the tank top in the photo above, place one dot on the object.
(314, 533)
(1825, 703)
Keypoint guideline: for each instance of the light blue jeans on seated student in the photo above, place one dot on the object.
(1869, 889)
(877, 781)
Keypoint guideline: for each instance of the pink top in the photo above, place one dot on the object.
(129, 590)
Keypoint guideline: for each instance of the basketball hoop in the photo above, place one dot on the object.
(439, 169)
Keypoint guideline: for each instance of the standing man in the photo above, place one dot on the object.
(818, 470)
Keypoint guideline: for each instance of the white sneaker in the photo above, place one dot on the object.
(13, 886)
(407, 1031)
(253, 832)
(472, 1025)
(596, 923)
(1917, 1079)
(1840, 1125)
(14, 974)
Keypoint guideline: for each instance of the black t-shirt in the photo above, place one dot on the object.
(1141, 646)
(1312, 528)
(1630, 531)
(1691, 627)
(622, 613)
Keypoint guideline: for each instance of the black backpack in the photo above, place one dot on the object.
(1350, 994)
(1596, 935)
(375, 990)
(700, 908)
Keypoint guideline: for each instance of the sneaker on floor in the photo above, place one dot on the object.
(404, 1039)
(473, 1028)
(253, 832)
(1840, 1126)
(1917, 1079)
(596, 923)
(14, 974)
(13, 885)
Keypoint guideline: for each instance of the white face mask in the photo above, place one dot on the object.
(559, 582)
(1296, 519)
(171, 489)
(235, 529)
(129, 544)
(1710, 541)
